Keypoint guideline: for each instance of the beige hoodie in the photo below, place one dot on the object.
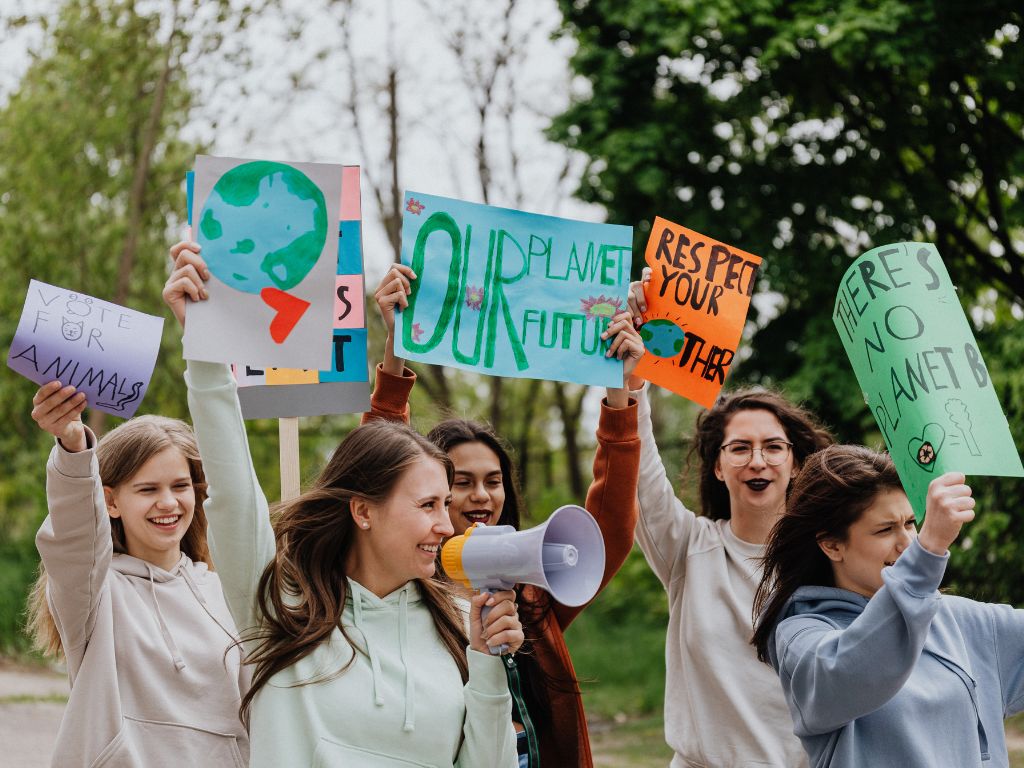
(155, 680)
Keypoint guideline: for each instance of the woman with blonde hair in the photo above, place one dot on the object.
(127, 594)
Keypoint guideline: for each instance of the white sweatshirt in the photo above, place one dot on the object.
(723, 707)
(155, 680)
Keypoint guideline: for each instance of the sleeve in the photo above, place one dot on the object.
(390, 398)
(75, 546)
(1008, 625)
(241, 540)
(832, 676)
(665, 525)
(612, 496)
(488, 735)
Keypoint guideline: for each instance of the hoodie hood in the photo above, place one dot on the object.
(839, 606)
(145, 578)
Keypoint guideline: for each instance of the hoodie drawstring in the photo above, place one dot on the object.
(198, 595)
(357, 620)
(403, 645)
(179, 663)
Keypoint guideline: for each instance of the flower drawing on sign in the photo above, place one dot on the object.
(417, 332)
(474, 297)
(600, 306)
(414, 206)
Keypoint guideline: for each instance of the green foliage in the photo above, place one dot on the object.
(808, 132)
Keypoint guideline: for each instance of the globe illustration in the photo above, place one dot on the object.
(264, 225)
(662, 338)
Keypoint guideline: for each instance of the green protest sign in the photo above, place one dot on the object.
(920, 370)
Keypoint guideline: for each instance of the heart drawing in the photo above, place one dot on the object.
(925, 449)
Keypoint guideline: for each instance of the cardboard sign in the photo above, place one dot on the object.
(919, 367)
(509, 293)
(266, 234)
(697, 303)
(270, 392)
(102, 349)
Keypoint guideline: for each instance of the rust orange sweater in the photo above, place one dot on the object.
(611, 499)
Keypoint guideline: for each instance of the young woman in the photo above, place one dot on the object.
(721, 708)
(127, 595)
(549, 715)
(877, 666)
(359, 655)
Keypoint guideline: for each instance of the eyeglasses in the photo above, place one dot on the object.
(774, 453)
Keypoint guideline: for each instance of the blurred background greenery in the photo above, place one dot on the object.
(805, 132)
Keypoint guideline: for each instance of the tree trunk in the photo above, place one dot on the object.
(570, 410)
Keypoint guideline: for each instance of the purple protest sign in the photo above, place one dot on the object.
(102, 349)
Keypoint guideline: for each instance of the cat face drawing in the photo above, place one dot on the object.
(72, 331)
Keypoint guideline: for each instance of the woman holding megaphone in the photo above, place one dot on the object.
(549, 716)
(359, 655)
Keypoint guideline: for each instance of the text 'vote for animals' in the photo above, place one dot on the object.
(267, 234)
(697, 302)
(920, 370)
(104, 350)
(509, 293)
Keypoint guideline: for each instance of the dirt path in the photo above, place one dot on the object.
(31, 704)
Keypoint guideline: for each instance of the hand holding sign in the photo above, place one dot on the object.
(58, 410)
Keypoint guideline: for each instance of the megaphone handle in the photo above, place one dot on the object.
(496, 650)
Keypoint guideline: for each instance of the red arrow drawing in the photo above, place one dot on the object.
(289, 310)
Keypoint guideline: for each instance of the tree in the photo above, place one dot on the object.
(808, 132)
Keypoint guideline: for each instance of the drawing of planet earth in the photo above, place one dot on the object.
(663, 338)
(264, 225)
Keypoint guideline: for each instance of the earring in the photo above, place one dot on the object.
(365, 525)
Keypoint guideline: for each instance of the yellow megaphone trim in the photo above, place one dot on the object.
(451, 558)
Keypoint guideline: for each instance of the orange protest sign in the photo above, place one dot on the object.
(697, 303)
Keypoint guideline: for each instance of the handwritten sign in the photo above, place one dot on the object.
(102, 349)
(509, 293)
(919, 367)
(269, 392)
(264, 229)
(697, 303)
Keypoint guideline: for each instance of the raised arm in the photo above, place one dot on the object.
(394, 382)
(611, 498)
(74, 539)
(241, 540)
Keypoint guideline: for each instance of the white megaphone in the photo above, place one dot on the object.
(564, 556)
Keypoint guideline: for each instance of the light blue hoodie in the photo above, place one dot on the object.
(908, 678)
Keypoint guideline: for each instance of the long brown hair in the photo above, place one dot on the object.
(802, 429)
(120, 454)
(302, 591)
(830, 493)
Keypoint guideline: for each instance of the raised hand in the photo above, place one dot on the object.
(58, 410)
(948, 506)
(187, 280)
(636, 299)
(392, 292)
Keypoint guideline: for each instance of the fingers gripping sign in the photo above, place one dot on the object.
(187, 280)
(58, 410)
(948, 506)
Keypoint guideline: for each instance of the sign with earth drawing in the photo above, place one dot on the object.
(509, 293)
(920, 370)
(697, 302)
(267, 235)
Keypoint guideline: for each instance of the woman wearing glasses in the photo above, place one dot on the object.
(721, 708)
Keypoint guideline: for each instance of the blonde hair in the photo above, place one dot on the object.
(121, 454)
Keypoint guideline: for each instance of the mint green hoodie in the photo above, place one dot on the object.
(156, 677)
(402, 702)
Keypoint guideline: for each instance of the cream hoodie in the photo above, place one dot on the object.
(402, 702)
(155, 680)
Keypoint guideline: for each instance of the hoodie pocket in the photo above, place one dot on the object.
(168, 745)
(332, 754)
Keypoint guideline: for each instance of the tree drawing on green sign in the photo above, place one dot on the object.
(265, 225)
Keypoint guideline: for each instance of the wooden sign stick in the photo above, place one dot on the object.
(288, 438)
